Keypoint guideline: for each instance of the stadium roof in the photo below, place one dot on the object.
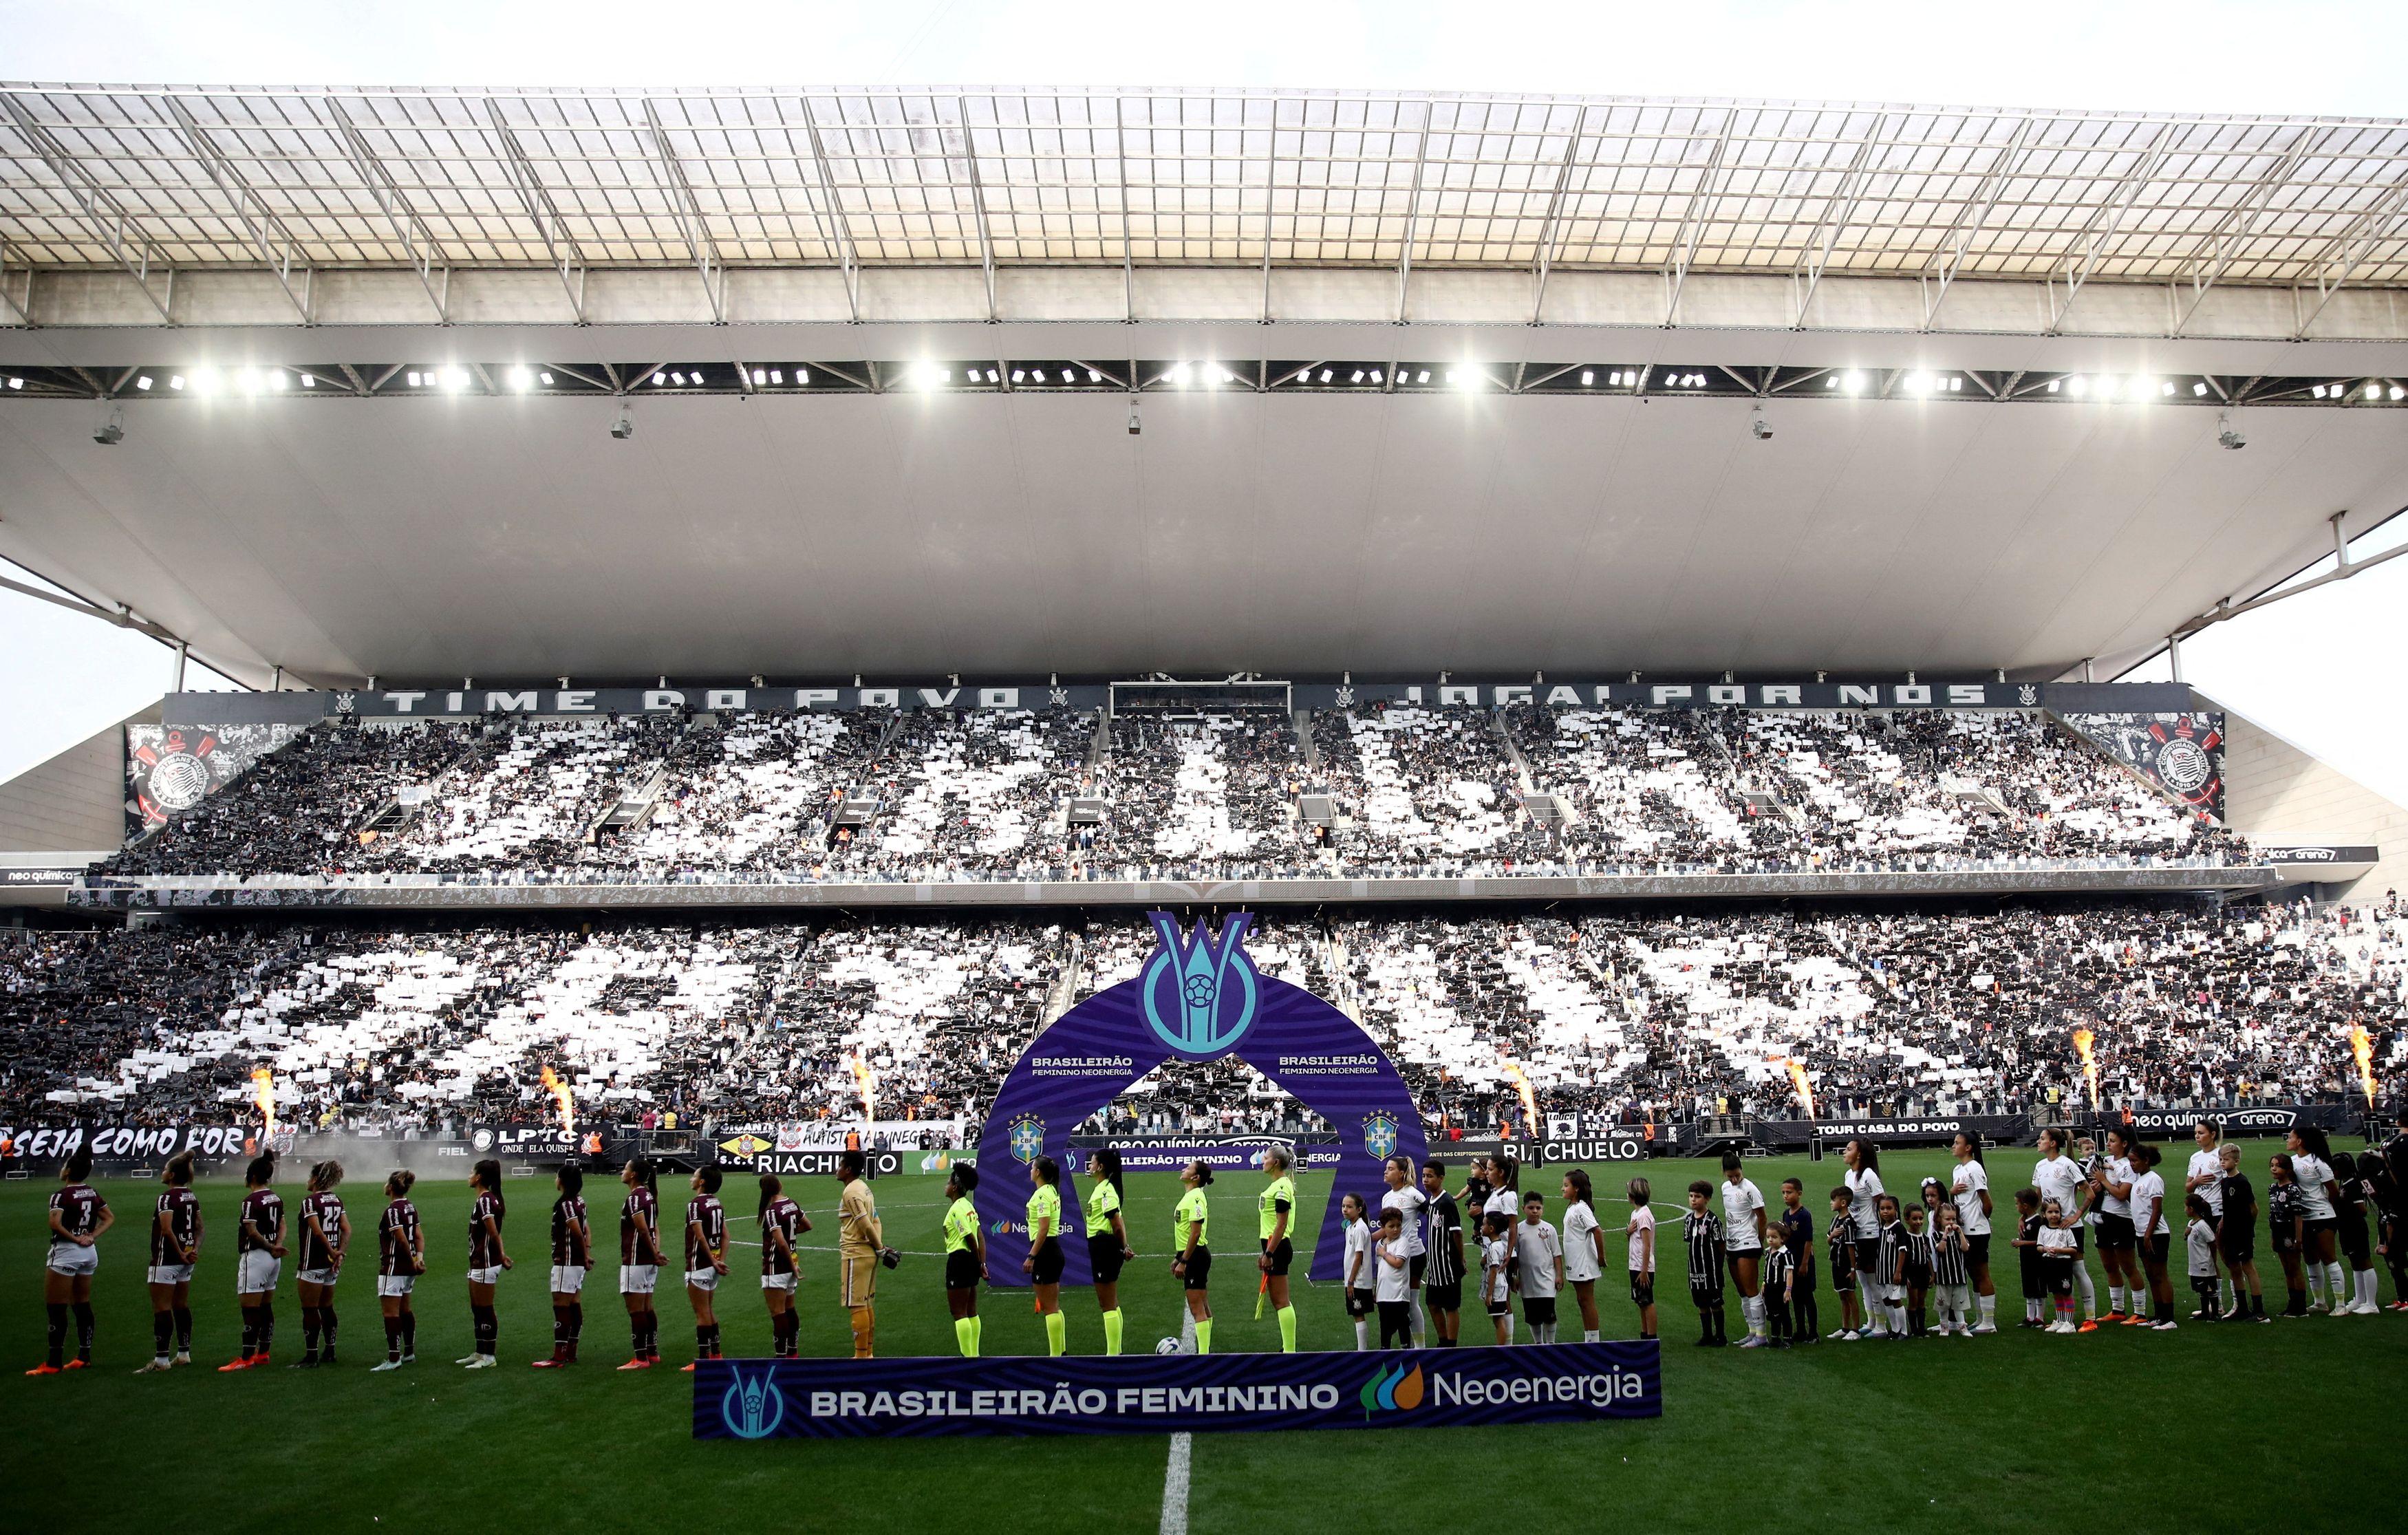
(390, 178)
(464, 288)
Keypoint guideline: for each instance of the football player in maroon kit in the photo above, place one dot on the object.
(639, 1260)
(572, 1254)
(325, 1237)
(782, 1265)
(486, 1261)
(78, 1217)
(706, 1258)
(258, 1260)
(175, 1247)
(401, 1258)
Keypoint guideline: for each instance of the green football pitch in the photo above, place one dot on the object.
(2228, 1426)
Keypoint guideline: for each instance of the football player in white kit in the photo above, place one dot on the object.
(2059, 1177)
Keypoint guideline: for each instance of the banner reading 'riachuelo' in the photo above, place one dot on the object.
(1175, 1392)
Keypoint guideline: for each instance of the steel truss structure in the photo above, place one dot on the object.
(150, 182)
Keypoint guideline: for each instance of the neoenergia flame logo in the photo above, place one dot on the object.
(1395, 1389)
(753, 1406)
(1200, 992)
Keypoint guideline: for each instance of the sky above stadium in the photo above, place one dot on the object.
(2308, 670)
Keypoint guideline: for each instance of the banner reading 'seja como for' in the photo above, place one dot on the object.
(1158, 1393)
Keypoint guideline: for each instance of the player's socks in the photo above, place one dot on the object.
(309, 1335)
(2089, 1294)
(1362, 1335)
(326, 1325)
(1113, 1331)
(409, 1335)
(1057, 1334)
(864, 1333)
(1420, 1325)
(1203, 1335)
(266, 1326)
(1287, 1329)
(2114, 1300)
(559, 1333)
(250, 1331)
(978, 1333)
(163, 1335)
(57, 1354)
(393, 1340)
(701, 1341)
(1989, 1310)
(575, 1327)
(965, 1337)
(489, 1329)
(184, 1330)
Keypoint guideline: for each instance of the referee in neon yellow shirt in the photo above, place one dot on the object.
(1043, 1264)
(1191, 1246)
(1277, 1207)
(1107, 1245)
(965, 1258)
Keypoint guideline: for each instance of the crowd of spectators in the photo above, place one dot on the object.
(953, 795)
(1615, 1015)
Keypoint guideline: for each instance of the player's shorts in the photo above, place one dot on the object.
(961, 1270)
(705, 1278)
(1869, 1254)
(171, 1273)
(2154, 1248)
(638, 1278)
(1280, 1257)
(786, 1281)
(1574, 1276)
(2115, 1234)
(2207, 1287)
(856, 1279)
(1977, 1247)
(1894, 1294)
(1443, 1297)
(1539, 1309)
(1642, 1288)
(1500, 1308)
(256, 1273)
(2354, 1243)
(1198, 1271)
(1703, 1296)
(75, 1262)
(1918, 1276)
(1104, 1257)
(1050, 1263)
(1416, 1267)
(396, 1284)
(317, 1276)
(1736, 1251)
(2060, 1277)
(567, 1278)
(2239, 1244)
(2331, 1223)
(490, 1275)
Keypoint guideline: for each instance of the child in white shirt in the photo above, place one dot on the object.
(1494, 1253)
(1541, 1255)
(1394, 1287)
(1358, 1268)
(2199, 1236)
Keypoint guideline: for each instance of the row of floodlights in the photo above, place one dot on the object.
(2138, 387)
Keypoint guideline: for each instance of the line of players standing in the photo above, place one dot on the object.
(78, 1216)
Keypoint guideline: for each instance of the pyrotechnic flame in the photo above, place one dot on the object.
(1798, 1076)
(2082, 1039)
(558, 1086)
(2361, 1048)
(866, 1080)
(263, 1092)
(1520, 1081)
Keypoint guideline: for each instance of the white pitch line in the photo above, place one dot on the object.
(1174, 1485)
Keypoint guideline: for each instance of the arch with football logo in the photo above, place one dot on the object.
(1196, 998)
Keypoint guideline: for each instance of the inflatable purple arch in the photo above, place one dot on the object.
(1199, 997)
